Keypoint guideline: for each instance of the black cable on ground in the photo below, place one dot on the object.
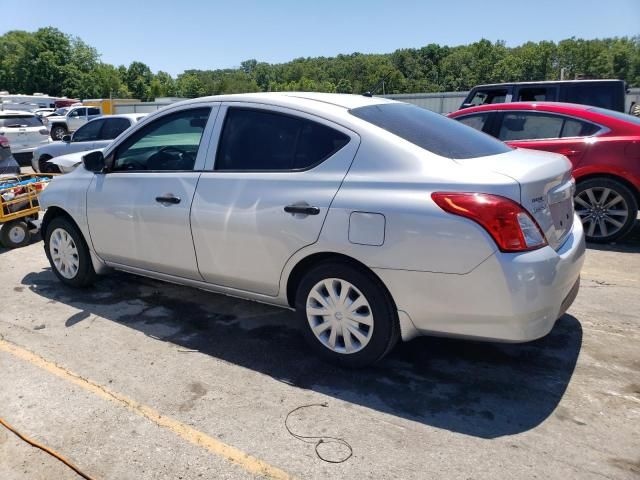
(319, 440)
(53, 453)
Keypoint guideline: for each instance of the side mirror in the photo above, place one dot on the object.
(466, 105)
(66, 139)
(94, 161)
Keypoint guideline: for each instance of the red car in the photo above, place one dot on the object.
(603, 146)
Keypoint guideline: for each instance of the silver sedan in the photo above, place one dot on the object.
(375, 220)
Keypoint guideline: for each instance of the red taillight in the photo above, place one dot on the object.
(510, 225)
(44, 131)
(4, 142)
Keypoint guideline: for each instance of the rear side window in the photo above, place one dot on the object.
(477, 120)
(431, 131)
(536, 94)
(577, 128)
(94, 111)
(20, 121)
(113, 127)
(262, 140)
(604, 95)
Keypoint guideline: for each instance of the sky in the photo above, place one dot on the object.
(177, 35)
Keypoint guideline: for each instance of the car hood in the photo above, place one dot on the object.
(69, 162)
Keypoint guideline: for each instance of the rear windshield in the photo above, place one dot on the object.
(19, 121)
(431, 131)
(617, 115)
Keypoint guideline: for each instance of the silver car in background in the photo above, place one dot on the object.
(375, 220)
(96, 134)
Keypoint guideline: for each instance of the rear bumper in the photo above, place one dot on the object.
(509, 297)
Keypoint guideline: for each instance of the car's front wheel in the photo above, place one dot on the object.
(68, 253)
(346, 314)
(607, 208)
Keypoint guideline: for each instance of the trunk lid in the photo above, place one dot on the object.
(546, 187)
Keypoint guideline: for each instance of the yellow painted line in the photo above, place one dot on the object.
(249, 463)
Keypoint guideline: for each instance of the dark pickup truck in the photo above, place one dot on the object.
(599, 93)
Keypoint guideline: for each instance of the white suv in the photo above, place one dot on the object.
(24, 130)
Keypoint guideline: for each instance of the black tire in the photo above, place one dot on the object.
(635, 110)
(629, 202)
(85, 274)
(386, 327)
(58, 131)
(45, 166)
(15, 234)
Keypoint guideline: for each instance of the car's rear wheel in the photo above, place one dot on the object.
(68, 253)
(607, 208)
(346, 314)
(58, 131)
(15, 234)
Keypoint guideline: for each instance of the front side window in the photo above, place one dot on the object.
(529, 126)
(477, 121)
(269, 141)
(79, 112)
(534, 126)
(431, 131)
(89, 132)
(484, 97)
(168, 143)
(113, 127)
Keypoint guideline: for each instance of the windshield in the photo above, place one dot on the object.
(431, 131)
(19, 121)
(61, 112)
(617, 115)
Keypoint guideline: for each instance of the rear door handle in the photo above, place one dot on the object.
(302, 209)
(168, 199)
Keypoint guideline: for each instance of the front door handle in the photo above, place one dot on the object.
(168, 199)
(302, 209)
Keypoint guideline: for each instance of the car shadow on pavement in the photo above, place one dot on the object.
(485, 390)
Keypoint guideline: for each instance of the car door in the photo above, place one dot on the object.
(138, 211)
(76, 118)
(546, 131)
(265, 193)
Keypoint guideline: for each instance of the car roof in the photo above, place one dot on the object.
(559, 107)
(561, 82)
(130, 116)
(311, 100)
(16, 112)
